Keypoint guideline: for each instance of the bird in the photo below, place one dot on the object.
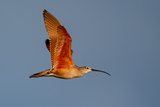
(59, 46)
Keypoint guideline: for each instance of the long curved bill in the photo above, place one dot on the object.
(101, 71)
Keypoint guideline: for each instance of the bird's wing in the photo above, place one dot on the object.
(60, 42)
(48, 45)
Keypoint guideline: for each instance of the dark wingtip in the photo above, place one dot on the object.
(44, 10)
(31, 76)
(47, 41)
(34, 75)
(40, 74)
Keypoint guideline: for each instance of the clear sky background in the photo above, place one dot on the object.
(121, 37)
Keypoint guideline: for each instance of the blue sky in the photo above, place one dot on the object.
(118, 36)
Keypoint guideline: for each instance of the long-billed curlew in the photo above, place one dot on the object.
(59, 46)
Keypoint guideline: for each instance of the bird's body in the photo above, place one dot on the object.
(66, 73)
(59, 46)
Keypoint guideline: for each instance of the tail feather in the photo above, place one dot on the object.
(39, 74)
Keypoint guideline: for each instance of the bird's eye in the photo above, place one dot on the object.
(87, 67)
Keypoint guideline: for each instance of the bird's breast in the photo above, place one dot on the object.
(67, 73)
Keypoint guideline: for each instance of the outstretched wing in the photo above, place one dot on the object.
(60, 42)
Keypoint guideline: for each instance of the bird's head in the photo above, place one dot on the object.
(87, 69)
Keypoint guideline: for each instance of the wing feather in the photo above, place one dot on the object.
(60, 42)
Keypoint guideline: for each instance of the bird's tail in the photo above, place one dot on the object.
(40, 74)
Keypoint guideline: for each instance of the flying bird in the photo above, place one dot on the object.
(59, 46)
